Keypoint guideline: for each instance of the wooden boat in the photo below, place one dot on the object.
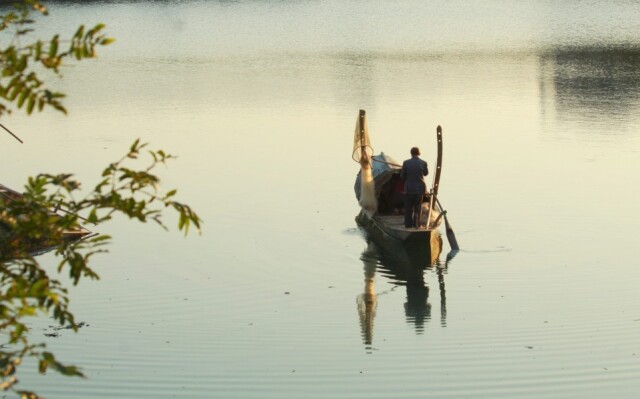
(388, 220)
(383, 218)
(7, 196)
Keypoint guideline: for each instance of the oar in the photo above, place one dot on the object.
(451, 236)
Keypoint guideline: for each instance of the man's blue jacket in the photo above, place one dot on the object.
(412, 173)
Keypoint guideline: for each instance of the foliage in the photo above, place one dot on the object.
(28, 226)
(46, 216)
(20, 84)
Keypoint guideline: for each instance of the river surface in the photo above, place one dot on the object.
(282, 296)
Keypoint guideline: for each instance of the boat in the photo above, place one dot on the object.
(44, 244)
(379, 191)
(388, 218)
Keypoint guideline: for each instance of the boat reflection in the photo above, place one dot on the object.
(404, 265)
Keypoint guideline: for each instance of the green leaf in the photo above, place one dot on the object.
(38, 287)
(57, 105)
(31, 103)
(93, 216)
(28, 311)
(53, 46)
(20, 329)
(15, 90)
(94, 30)
(38, 50)
(134, 146)
(79, 32)
(22, 97)
(22, 63)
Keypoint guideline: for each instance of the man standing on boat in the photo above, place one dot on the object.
(413, 172)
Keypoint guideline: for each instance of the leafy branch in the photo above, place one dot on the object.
(46, 216)
(19, 80)
(28, 225)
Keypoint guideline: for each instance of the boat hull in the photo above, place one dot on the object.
(419, 249)
(391, 227)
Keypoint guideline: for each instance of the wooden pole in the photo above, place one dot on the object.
(363, 144)
(11, 133)
(436, 177)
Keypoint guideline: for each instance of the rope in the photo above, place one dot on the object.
(359, 150)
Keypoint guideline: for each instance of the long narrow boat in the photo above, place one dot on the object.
(8, 195)
(379, 190)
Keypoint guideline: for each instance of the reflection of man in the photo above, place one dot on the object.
(413, 172)
(417, 309)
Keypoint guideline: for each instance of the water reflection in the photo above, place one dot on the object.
(590, 83)
(404, 265)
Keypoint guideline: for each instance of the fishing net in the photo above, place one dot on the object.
(361, 141)
(368, 200)
(362, 153)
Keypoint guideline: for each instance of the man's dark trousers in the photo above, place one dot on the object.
(412, 204)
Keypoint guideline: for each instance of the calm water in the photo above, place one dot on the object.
(539, 103)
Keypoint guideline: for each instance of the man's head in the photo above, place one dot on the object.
(415, 151)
